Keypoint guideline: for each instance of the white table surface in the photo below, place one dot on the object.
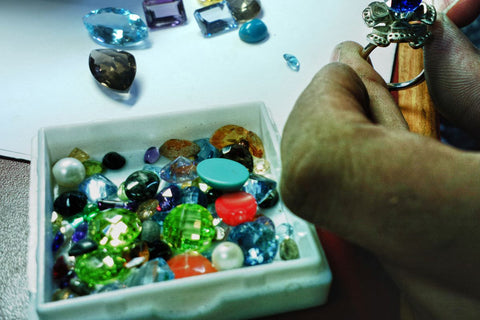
(45, 79)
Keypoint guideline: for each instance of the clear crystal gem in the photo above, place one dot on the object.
(215, 19)
(98, 187)
(179, 170)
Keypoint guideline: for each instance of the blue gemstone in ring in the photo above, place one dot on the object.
(405, 6)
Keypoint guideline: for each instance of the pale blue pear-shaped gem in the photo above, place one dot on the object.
(98, 187)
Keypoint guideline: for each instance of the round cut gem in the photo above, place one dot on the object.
(404, 6)
(100, 267)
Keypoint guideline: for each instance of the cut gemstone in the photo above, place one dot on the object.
(151, 155)
(164, 13)
(404, 6)
(155, 270)
(100, 266)
(98, 187)
(289, 249)
(244, 10)
(207, 150)
(292, 62)
(253, 31)
(193, 194)
(240, 154)
(169, 197)
(114, 69)
(263, 189)
(179, 170)
(215, 19)
(115, 26)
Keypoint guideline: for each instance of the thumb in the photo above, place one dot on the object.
(452, 71)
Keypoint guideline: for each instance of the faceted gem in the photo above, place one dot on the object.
(147, 209)
(151, 231)
(292, 62)
(169, 197)
(263, 189)
(58, 240)
(179, 170)
(98, 187)
(266, 221)
(113, 69)
(227, 255)
(82, 246)
(81, 232)
(257, 241)
(403, 6)
(115, 26)
(260, 166)
(284, 231)
(141, 185)
(208, 2)
(236, 208)
(233, 134)
(70, 203)
(223, 174)
(215, 19)
(289, 249)
(152, 168)
(153, 271)
(194, 195)
(188, 227)
(253, 31)
(92, 167)
(238, 153)
(164, 13)
(68, 172)
(189, 265)
(115, 228)
(100, 266)
(244, 10)
(207, 150)
(151, 155)
(79, 154)
(175, 148)
(113, 160)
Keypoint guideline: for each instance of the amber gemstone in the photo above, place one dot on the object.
(233, 134)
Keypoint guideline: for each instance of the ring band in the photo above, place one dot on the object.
(393, 26)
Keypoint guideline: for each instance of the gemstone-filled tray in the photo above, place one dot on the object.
(241, 293)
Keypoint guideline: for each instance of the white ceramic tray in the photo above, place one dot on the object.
(236, 294)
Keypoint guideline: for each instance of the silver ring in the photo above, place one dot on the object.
(391, 26)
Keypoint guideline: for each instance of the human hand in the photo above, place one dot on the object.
(351, 166)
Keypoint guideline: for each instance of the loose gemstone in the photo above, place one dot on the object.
(253, 31)
(289, 249)
(151, 231)
(260, 166)
(215, 19)
(92, 167)
(159, 249)
(113, 160)
(90, 211)
(227, 255)
(58, 241)
(81, 232)
(243, 10)
(98, 187)
(207, 150)
(238, 153)
(151, 155)
(266, 221)
(68, 172)
(208, 2)
(263, 189)
(194, 195)
(189, 227)
(70, 203)
(147, 209)
(141, 185)
(233, 134)
(164, 13)
(403, 6)
(223, 174)
(257, 241)
(292, 62)
(115, 26)
(236, 208)
(175, 148)
(115, 228)
(114, 69)
(100, 266)
(79, 154)
(156, 270)
(169, 197)
(179, 170)
(285, 231)
(189, 265)
(82, 247)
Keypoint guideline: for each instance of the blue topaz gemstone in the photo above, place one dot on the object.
(404, 6)
(164, 13)
(215, 19)
(98, 187)
(257, 242)
(207, 150)
(292, 62)
(179, 170)
(115, 27)
(253, 31)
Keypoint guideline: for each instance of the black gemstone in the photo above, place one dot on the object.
(113, 160)
(269, 200)
(239, 153)
(159, 249)
(82, 246)
(141, 185)
(70, 203)
(114, 69)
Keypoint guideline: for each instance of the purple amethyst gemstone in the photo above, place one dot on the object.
(151, 155)
(164, 13)
(80, 232)
(169, 197)
(404, 6)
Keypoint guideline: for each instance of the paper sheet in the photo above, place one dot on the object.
(45, 79)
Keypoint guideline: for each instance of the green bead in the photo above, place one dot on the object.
(100, 267)
(92, 167)
(115, 228)
(289, 249)
(189, 227)
(90, 211)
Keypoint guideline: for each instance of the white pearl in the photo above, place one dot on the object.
(227, 255)
(68, 172)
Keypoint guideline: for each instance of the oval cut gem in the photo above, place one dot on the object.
(115, 26)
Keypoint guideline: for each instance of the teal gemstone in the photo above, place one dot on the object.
(292, 61)
(115, 26)
(223, 174)
(253, 31)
